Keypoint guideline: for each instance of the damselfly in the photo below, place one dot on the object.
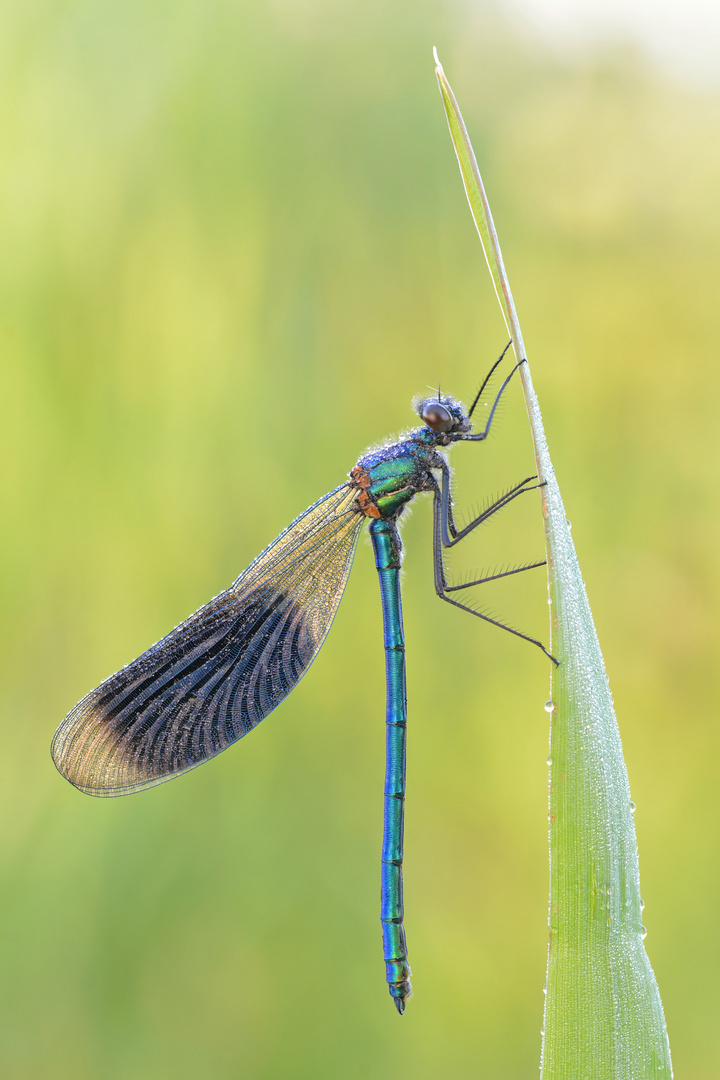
(219, 673)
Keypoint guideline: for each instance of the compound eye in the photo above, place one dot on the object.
(437, 417)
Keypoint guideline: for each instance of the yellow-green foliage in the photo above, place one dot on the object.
(234, 246)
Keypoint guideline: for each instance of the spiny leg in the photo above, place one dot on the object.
(440, 530)
(491, 577)
(487, 378)
(451, 534)
(478, 436)
(387, 547)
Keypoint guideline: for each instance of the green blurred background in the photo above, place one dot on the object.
(235, 245)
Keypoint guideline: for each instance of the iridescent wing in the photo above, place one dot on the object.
(216, 675)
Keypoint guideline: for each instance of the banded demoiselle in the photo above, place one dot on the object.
(218, 674)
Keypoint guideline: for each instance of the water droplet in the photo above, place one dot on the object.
(549, 706)
(643, 932)
(549, 760)
(632, 807)
(545, 989)
(568, 523)
(642, 904)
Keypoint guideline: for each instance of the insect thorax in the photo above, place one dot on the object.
(390, 477)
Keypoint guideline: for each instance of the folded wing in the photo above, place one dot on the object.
(219, 673)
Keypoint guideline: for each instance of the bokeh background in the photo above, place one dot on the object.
(235, 245)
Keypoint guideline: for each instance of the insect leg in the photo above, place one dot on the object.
(450, 533)
(442, 588)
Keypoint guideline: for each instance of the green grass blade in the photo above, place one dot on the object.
(603, 1014)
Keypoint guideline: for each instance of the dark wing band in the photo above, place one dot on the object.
(219, 673)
